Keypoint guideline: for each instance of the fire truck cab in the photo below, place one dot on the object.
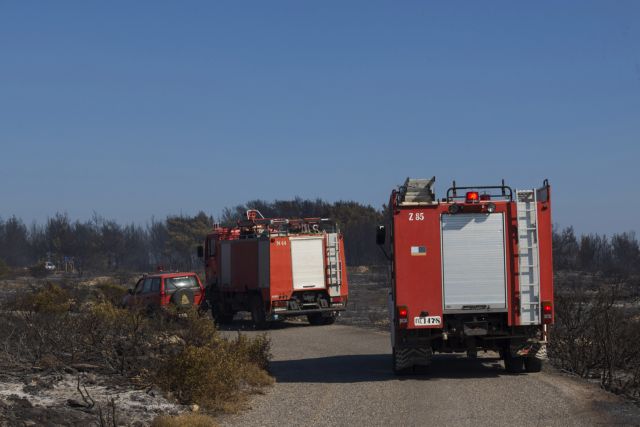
(469, 271)
(276, 268)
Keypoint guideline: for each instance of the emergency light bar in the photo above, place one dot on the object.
(473, 195)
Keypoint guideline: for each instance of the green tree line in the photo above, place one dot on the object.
(102, 245)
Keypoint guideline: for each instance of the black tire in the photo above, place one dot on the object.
(329, 320)
(532, 364)
(258, 314)
(317, 319)
(394, 364)
(220, 315)
(182, 298)
(513, 364)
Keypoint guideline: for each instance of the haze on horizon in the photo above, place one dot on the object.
(134, 110)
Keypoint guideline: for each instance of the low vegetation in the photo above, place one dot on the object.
(597, 336)
(57, 327)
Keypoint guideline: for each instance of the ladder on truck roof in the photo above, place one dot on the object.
(334, 265)
(416, 192)
(528, 257)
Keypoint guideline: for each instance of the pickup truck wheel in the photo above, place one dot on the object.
(258, 314)
(532, 364)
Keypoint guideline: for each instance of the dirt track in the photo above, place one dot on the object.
(340, 375)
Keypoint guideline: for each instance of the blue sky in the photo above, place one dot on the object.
(149, 108)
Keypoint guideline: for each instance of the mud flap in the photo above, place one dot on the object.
(531, 349)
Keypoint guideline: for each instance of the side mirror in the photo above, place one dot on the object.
(381, 235)
(200, 251)
(130, 291)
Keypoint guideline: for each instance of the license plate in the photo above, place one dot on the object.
(427, 321)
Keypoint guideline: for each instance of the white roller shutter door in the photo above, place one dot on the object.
(307, 260)
(473, 262)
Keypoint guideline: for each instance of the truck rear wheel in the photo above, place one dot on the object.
(532, 364)
(399, 363)
(316, 319)
(513, 364)
(258, 314)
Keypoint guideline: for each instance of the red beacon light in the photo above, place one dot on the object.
(472, 197)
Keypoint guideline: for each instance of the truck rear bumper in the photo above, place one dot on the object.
(289, 313)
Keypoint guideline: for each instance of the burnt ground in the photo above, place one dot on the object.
(40, 395)
(368, 291)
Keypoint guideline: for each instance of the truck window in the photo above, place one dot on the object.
(147, 286)
(138, 287)
(155, 285)
(185, 282)
(211, 247)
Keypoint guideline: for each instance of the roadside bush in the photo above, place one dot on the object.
(212, 371)
(596, 335)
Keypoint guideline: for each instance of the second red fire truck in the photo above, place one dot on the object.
(472, 270)
(276, 268)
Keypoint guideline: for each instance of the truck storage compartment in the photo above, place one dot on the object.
(307, 262)
(473, 262)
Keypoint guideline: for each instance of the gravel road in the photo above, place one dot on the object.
(340, 375)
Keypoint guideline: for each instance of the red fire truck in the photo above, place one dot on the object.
(470, 271)
(276, 268)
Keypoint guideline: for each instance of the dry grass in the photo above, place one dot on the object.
(184, 420)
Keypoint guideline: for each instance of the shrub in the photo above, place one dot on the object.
(212, 371)
(4, 269)
(597, 337)
(111, 292)
(50, 299)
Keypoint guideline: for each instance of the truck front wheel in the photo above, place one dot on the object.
(258, 314)
(219, 315)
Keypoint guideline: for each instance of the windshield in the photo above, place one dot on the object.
(185, 282)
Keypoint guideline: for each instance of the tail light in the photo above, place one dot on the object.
(472, 197)
(279, 303)
(547, 312)
(335, 300)
(403, 316)
(485, 197)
